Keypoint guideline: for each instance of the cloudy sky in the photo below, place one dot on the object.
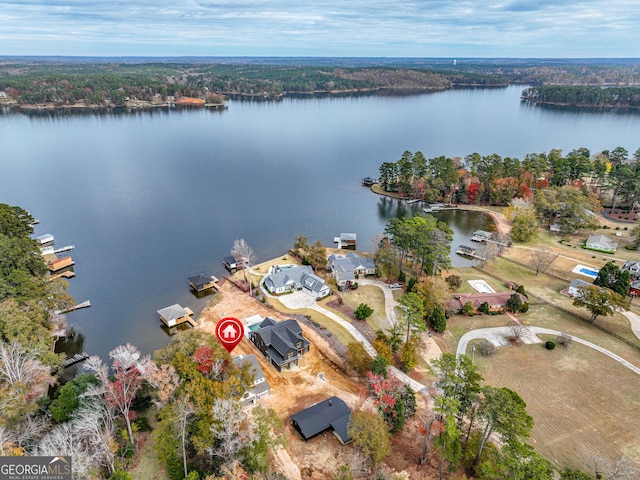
(428, 28)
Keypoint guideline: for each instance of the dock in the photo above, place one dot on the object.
(77, 358)
(466, 251)
(438, 207)
(481, 236)
(202, 283)
(68, 248)
(175, 315)
(85, 304)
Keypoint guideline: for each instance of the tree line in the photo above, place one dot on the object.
(584, 96)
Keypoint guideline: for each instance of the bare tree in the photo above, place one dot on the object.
(94, 425)
(120, 389)
(183, 409)
(564, 339)
(517, 331)
(230, 428)
(245, 256)
(63, 441)
(541, 260)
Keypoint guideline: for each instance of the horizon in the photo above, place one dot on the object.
(563, 29)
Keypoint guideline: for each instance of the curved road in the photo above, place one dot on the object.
(498, 337)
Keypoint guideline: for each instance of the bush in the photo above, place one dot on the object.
(363, 311)
(564, 340)
(520, 289)
(484, 308)
(379, 366)
(402, 277)
(120, 475)
(468, 309)
(485, 348)
(454, 282)
(549, 345)
(411, 285)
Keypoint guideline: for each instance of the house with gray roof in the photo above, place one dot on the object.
(633, 267)
(574, 287)
(330, 414)
(281, 342)
(260, 387)
(601, 243)
(345, 268)
(296, 278)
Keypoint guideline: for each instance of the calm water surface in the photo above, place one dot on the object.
(152, 198)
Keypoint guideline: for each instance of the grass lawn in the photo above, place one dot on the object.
(584, 404)
(372, 296)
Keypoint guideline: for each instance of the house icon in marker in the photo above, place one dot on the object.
(229, 333)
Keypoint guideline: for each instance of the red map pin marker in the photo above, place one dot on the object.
(229, 331)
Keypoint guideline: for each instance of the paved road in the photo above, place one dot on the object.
(498, 337)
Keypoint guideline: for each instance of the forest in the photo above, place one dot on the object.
(584, 96)
(111, 82)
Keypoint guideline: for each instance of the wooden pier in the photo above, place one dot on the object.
(466, 251)
(85, 304)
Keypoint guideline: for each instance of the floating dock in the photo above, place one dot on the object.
(466, 251)
(481, 236)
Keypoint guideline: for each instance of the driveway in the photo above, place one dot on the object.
(298, 300)
(498, 337)
(635, 322)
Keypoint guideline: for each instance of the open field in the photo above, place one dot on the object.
(583, 403)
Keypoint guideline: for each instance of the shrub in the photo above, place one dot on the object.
(486, 348)
(379, 366)
(520, 290)
(454, 282)
(549, 345)
(484, 308)
(120, 475)
(411, 285)
(363, 311)
(402, 277)
(468, 309)
(525, 307)
(564, 340)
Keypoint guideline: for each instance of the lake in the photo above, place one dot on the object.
(153, 197)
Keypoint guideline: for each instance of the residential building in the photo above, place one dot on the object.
(601, 243)
(296, 278)
(330, 414)
(497, 301)
(575, 285)
(345, 268)
(633, 267)
(260, 387)
(281, 342)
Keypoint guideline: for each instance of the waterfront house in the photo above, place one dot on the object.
(345, 268)
(330, 414)
(601, 243)
(296, 278)
(497, 301)
(281, 342)
(633, 267)
(260, 387)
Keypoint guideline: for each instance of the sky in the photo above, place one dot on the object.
(325, 28)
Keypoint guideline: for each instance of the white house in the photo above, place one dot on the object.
(345, 268)
(297, 278)
(601, 243)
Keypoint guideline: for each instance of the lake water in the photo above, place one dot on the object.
(151, 198)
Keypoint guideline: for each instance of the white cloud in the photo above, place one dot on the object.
(540, 28)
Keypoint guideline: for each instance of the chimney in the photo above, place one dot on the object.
(330, 402)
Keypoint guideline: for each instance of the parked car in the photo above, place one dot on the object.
(395, 286)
